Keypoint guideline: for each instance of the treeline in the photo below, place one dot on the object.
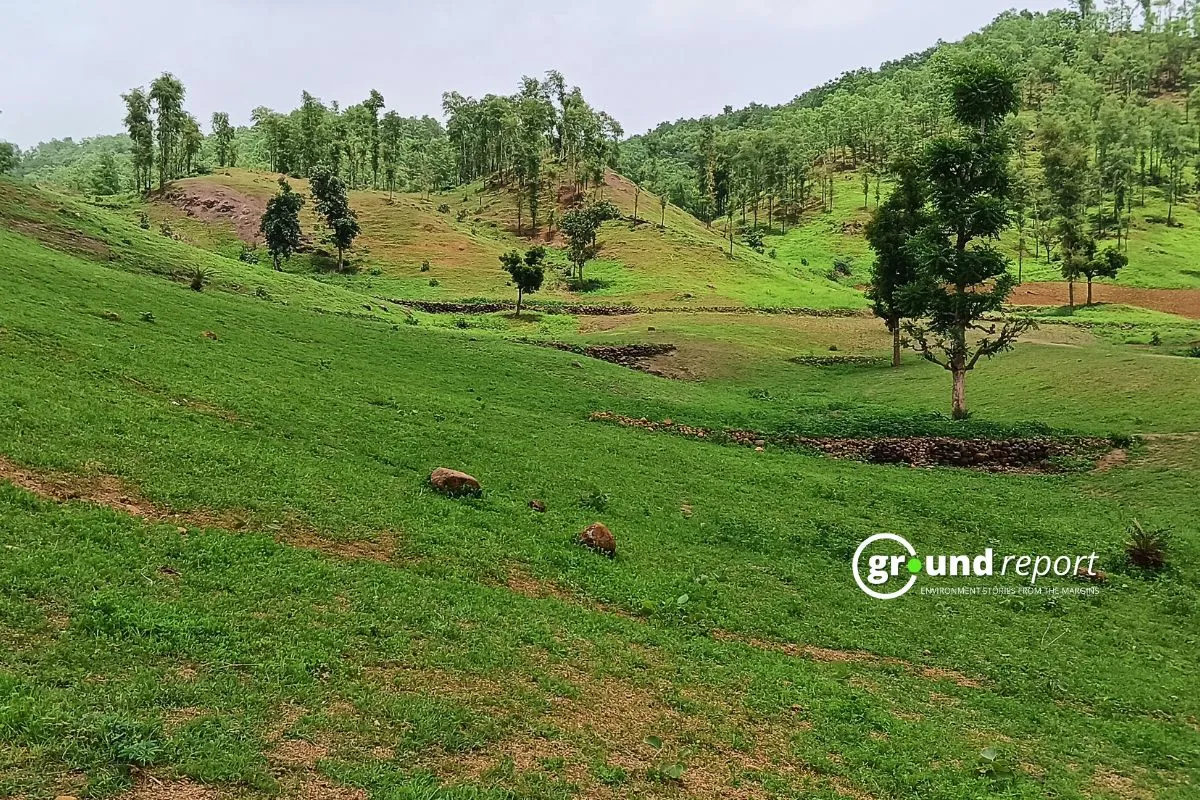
(1111, 89)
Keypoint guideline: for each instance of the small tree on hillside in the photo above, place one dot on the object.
(280, 225)
(580, 227)
(329, 196)
(527, 273)
(892, 226)
(961, 279)
(1105, 264)
(106, 179)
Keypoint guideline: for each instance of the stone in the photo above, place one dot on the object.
(1096, 576)
(212, 337)
(538, 506)
(453, 483)
(599, 538)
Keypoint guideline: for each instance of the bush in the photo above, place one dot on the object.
(166, 231)
(198, 277)
(425, 265)
(1155, 339)
(444, 209)
(804, 262)
(1194, 352)
(461, 216)
(1147, 548)
(843, 265)
(433, 281)
(146, 316)
(462, 323)
(771, 253)
(754, 239)
(249, 254)
(144, 221)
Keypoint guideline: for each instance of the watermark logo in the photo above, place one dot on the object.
(886, 566)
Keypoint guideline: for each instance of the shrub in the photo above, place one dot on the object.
(146, 316)
(804, 262)
(1147, 548)
(1155, 339)
(444, 209)
(462, 323)
(843, 265)
(754, 239)
(433, 281)
(771, 253)
(166, 231)
(249, 254)
(425, 265)
(198, 277)
(1194, 352)
(144, 221)
(461, 216)
(261, 292)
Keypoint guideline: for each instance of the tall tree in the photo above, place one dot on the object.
(280, 223)
(166, 96)
(893, 225)
(333, 206)
(372, 104)
(222, 133)
(527, 273)
(141, 132)
(962, 277)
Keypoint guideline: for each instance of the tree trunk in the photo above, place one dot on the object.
(636, 194)
(519, 293)
(1089, 302)
(959, 400)
(276, 257)
(341, 261)
(1071, 292)
(896, 344)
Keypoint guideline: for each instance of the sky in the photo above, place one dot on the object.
(65, 63)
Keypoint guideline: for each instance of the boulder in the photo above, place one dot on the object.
(599, 538)
(453, 483)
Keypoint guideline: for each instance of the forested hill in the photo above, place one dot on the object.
(1119, 79)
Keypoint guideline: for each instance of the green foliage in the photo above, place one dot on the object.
(106, 179)
(1147, 548)
(280, 223)
(527, 272)
(10, 157)
(199, 277)
(961, 280)
(333, 206)
(893, 225)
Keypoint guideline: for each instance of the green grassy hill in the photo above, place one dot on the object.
(224, 573)
(681, 264)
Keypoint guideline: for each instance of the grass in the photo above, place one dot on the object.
(488, 656)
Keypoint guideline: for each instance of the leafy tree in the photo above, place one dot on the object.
(106, 179)
(333, 206)
(962, 277)
(141, 132)
(893, 225)
(166, 96)
(1105, 264)
(10, 157)
(581, 226)
(280, 224)
(527, 273)
(222, 133)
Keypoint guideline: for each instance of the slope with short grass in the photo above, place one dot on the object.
(253, 592)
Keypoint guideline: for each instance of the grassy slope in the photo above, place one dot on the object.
(334, 421)
(685, 264)
(1160, 257)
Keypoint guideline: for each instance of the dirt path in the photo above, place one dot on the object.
(1184, 302)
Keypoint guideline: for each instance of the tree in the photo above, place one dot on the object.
(166, 96)
(222, 133)
(333, 206)
(106, 179)
(527, 273)
(961, 275)
(280, 224)
(141, 132)
(1105, 264)
(580, 226)
(10, 157)
(901, 217)
(372, 104)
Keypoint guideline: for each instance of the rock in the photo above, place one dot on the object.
(209, 335)
(599, 538)
(453, 483)
(1095, 576)
(538, 506)
(760, 449)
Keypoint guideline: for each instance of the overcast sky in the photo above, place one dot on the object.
(64, 63)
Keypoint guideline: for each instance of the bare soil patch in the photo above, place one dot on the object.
(989, 455)
(149, 787)
(213, 203)
(62, 238)
(1184, 302)
(111, 492)
(831, 655)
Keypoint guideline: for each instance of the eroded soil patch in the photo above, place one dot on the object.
(641, 357)
(213, 203)
(1184, 302)
(111, 492)
(1033, 454)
